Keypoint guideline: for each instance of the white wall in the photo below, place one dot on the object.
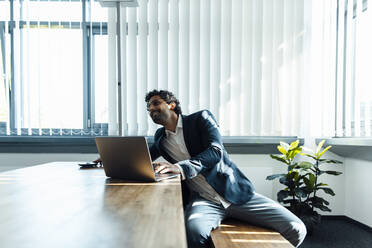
(358, 190)
(256, 167)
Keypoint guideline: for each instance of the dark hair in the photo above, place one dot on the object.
(167, 96)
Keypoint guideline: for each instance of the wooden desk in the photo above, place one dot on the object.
(60, 205)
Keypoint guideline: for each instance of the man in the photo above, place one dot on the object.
(213, 187)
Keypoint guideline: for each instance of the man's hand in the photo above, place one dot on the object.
(165, 167)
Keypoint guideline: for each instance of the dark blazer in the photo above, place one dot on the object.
(208, 157)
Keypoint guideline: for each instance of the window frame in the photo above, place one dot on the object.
(89, 29)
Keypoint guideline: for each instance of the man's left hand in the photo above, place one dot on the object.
(165, 167)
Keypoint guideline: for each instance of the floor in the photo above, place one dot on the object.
(339, 233)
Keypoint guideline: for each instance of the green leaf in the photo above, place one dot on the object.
(332, 161)
(322, 207)
(301, 193)
(309, 185)
(319, 147)
(284, 145)
(295, 152)
(318, 200)
(291, 167)
(282, 195)
(271, 177)
(309, 155)
(305, 165)
(312, 179)
(335, 173)
(291, 201)
(321, 184)
(278, 158)
(294, 144)
(284, 180)
(329, 191)
(282, 150)
(326, 149)
(289, 155)
(296, 176)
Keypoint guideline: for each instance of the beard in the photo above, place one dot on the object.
(159, 117)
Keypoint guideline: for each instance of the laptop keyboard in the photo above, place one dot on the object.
(159, 176)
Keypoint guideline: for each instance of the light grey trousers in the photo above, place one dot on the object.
(202, 216)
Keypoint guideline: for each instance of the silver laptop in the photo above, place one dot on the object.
(128, 158)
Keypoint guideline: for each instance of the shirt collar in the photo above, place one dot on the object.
(179, 125)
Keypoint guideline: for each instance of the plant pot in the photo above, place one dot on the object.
(311, 221)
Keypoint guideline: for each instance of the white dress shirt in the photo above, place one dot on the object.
(174, 145)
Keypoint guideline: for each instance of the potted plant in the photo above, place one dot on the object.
(302, 181)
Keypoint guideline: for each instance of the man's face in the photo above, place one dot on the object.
(159, 110)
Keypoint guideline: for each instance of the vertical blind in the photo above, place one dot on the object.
(354, 101)
(263, 67)
(245, 60)
(4, 113)
(318, 97)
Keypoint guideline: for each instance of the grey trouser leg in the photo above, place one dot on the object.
(202, 216)
(262, 211)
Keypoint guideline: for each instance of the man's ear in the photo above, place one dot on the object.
(171, 105)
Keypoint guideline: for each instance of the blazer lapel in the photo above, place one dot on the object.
(186, 133)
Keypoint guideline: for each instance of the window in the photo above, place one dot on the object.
(51, 89)
(52, 60)
(354, 104)
(243, 60)
(4, 66)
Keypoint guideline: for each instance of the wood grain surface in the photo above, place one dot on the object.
(60, 205)
(236, 234)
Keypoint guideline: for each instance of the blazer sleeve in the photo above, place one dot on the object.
(212, 155)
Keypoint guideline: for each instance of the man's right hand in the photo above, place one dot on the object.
(165, 167)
